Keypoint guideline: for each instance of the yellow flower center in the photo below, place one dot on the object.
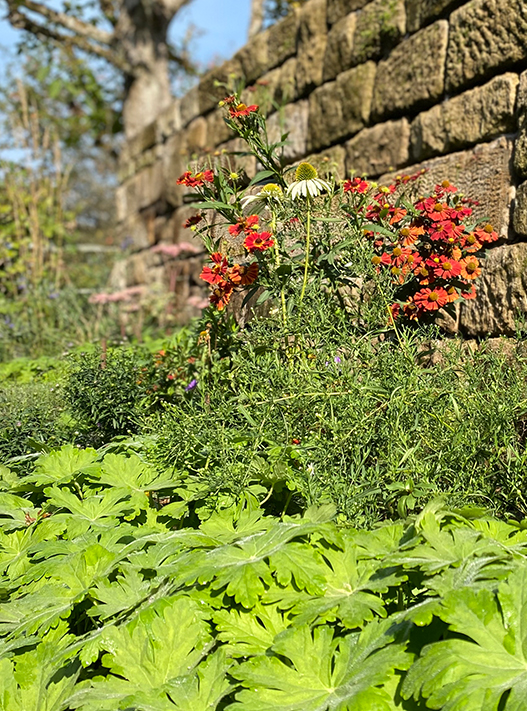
(488, 229)
(305, 171)
(271, 190)
(433, 296)
(447, 266)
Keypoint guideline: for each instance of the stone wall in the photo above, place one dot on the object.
(376, 88)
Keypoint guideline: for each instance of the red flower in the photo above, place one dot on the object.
(243, 274)
(411, 234)
(470, 243)
(258, 241)
(196, 181)
(469, 293)
(397, 215)
(215, 274)
(242, 110)
(446, 187)
(221, 295)
(486, 234)
(444, 267)
(447, 231)
(429, 300)
(436, 210)
(245, 224)
(357, 185)
(192, 221)
(400, 256)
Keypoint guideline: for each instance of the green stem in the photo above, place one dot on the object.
(277, 262)
(308, 247)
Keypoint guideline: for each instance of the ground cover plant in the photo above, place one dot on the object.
(125, 587)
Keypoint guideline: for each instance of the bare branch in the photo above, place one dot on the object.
(180, 59)
(108, 10)
(22, 22)
(174, 6)
(67, 21)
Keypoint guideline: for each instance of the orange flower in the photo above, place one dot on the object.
(411, 234)
(258, 241)
(215, 274)
(194, 220)
(424, 274)
(357, 185)
(469, 293)
(452, 294)
(397, 215)
(470, 243)
(431, 300)
(245, 224)
(221, 295)
(470, 267)
(443, 267)
(400, 256)
(243, 274)
(242, 110)
(486, 234)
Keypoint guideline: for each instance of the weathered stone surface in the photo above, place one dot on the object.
(146, 138)
(413, 75)
(209, 93)
(339, 48)
(330, 162)
(168, 121)
(520, 211)
(238, 163)
(312, 39)
(378, 149)
(474, 116)
(485, 35)
(340, 108)
(131, 234)
(522, 96)
(291, 119)
(420, 12)
(174, 165)
(380, 25)
(189, 106)
(254, 58)
(337, 9)
(283, 38)
(150, 185)
(217, 129)
(502, 293)
(520, 147)
(275, 88)
(483, 174)
(196, 135)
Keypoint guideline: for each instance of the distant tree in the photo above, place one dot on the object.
(130, 35)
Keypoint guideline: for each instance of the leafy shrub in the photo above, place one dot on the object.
(32, 416)
(118, 596)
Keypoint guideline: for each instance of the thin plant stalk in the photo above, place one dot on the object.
(277, 262)
(308, 248)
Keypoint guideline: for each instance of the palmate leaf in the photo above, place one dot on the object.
(59, 467)
(350, 591)
(131, 473)
(162, 644)
(127, 591)
(324, 673)
(486, 671)
(249, 632)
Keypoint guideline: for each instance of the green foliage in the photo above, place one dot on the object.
(121, 590)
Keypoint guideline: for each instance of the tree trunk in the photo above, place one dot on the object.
(257, 17)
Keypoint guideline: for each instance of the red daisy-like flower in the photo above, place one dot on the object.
(436, 210)
(243, 274)
(411, 234)
(242, 110)
(245, 224)
(194, 220)
(470, 243)
(258, 241)
(469, 293)
(357, 185)
(486, 234)
(431, 300)
(221, 295)
(196, 181)
(397, 214)
(424, 274)
(215, 274)
(400, 256)
(444, 267)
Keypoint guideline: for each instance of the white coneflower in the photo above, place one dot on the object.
(307, 183)
(268, 194)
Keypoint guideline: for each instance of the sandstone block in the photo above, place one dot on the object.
(312, 39)
(121, 206)
(502, 293)
(337, 9)
(474, 116)
(291, 119)
(238, 163)
(217, 129)
(420, 12)
(283, 38)
(339, 49)
(380, 25)
(150, 185)
(485, 36)
(520, 153)
(254, 58)
(132, 235)
(340, 108)
(482, 173)
(378, 149)
(413, 74)
(168, 121)
(174, 165)
(196, 135)
(209, 91)
(330, 162)
(520, 211)
(522, 96)
(189, 106)
(143, 140)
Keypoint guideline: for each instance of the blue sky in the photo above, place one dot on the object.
(223, 26)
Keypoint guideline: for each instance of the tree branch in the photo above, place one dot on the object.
(108, 10)
(20, 21)
(174, 6)
(180, 59)
(67, 21)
